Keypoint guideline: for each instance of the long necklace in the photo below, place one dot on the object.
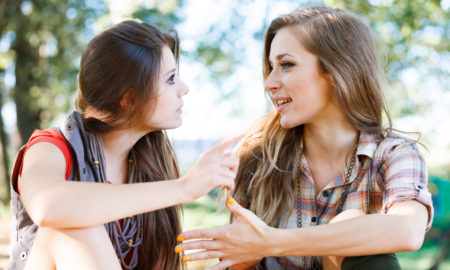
(315, 260)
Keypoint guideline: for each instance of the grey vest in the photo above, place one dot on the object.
(23, 228)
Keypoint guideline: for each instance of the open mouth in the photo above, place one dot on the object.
(280, 102)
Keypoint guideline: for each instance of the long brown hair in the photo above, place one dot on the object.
(124, 58)
(269, 156)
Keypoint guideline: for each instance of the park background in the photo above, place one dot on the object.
(41, 42)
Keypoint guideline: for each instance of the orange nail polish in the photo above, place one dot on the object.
(180, 238)
(186, 259)
(178, 250)
(230, 201)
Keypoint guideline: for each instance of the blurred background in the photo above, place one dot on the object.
(41, 42)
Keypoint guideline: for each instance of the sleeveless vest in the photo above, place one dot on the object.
(23, 229)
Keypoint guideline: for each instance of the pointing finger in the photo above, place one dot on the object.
(224, 144)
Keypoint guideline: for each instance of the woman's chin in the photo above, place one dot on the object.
(175, 124)
(284, 123)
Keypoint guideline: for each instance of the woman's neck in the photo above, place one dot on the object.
(329, 141)
(117, 144)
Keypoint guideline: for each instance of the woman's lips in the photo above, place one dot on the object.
(282, 103)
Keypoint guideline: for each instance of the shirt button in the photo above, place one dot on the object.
(420, 186)
(326, 194)
(313, 219)
(23, 255)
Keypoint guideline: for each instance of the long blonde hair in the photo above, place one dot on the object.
(270, 153)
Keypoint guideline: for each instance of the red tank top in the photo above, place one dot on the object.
(52, 136)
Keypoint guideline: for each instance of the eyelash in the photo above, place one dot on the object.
(285, 65)
(171, 79)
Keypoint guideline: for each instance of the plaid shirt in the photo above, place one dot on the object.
(386, 171)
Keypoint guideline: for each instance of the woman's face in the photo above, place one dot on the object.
(171, 89)
(300, 91)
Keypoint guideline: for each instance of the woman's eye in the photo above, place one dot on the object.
(171, 80)
(286, 65)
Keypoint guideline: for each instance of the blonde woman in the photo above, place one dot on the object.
(322, 181)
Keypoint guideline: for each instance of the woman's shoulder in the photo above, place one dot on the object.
(56, 138)
(393, 143)
(49, 132)
(50, 135)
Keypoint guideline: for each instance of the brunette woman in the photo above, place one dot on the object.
(119, 208)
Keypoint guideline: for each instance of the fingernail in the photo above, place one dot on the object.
(178, 250)
(180, 238)
(186, 259)
(230, 201)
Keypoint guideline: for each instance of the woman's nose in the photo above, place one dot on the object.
(272, 83)
(184, 89)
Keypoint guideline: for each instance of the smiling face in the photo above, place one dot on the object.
(168, 106)
(300, 90)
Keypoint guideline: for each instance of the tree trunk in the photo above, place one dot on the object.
(27, 63)
(5, 144)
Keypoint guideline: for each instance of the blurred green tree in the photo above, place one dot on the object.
(47, 38)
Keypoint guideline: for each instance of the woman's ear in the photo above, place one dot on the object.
(330, 79)
(127, 100)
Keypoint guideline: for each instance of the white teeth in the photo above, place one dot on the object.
(282, 101)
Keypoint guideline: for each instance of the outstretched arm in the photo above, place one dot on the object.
(51, 201)
(249, 239)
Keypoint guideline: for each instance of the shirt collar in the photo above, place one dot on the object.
(367, 144)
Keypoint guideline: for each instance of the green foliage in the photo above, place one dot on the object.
(155, 16)
(49, 37)
(205, 212)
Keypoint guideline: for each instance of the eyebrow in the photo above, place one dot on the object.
(278, 57)
(170, 71)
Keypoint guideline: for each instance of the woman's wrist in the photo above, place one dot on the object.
(274, 245)
(183, 191)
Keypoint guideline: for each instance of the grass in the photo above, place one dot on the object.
(205, 213)
(423, 258)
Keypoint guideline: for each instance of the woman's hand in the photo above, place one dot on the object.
(245, 240)
(214, 168)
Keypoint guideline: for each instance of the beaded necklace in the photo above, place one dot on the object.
(315, 261)
(126, 235)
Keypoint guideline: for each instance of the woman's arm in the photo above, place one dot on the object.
(401, 229)
(52, 201)
(248, 239)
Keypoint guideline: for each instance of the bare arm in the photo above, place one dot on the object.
(248, 239)
(401, 229)
(52, 201)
